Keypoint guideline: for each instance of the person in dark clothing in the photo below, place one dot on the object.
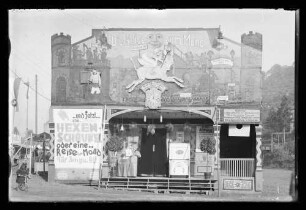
(153, 161)
(21, 173)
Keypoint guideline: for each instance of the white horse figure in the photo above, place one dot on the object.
(157, 72)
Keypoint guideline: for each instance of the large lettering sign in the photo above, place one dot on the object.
(77, 138)
(241, 115)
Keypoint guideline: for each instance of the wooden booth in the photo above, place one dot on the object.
(147, 107)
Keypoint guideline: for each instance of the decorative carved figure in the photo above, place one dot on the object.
(95, 81)
(153, 93)
(155, 67)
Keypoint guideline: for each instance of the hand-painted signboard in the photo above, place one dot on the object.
(179, 151)
(78, 140)
(179, 167)
(241, 115)
(237, 184)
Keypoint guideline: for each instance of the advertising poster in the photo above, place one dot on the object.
(77, 141)
(179, 151)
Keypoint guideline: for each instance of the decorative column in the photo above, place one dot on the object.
(105, 167)
(258, 172)
(217, 147)
(51, 166)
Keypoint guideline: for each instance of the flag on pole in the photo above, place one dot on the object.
(27, 84)
(16, 90)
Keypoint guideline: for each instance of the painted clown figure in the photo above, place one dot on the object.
(95, 81)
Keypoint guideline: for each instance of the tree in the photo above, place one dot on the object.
(284, 114)
(271, 120)
(278, 81)
(279, 119)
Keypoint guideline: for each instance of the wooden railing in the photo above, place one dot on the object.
(237, 167)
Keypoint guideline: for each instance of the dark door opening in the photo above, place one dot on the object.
(153, 161)
(237, 147)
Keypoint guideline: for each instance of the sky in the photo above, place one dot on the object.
(30, 34)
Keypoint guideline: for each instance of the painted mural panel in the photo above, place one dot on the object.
(184, 61)
(77, 140)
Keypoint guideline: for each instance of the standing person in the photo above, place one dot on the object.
(36, 154)
(135, 154)
(123, 162)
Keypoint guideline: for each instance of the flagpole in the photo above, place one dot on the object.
(28, 84)
(14, 107)
(35, 103)
(31, 154)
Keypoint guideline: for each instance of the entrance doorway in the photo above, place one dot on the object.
(153, 161)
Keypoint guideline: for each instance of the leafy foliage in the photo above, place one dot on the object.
(208, 145)
(281, 157)
(278, 81)
(279, 119)
(114, 144)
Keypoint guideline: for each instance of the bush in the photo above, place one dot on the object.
(114, 144)
(208, 145)
(281, 157)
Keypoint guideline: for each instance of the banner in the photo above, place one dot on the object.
(77, 142)
(16, 90)
(28, 85)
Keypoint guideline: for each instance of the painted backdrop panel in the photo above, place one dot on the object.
(193, 51)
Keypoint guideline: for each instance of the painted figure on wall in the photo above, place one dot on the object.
(102, 39)
(60, 53)
(95, 81)
(155, 70)
(92, 50)
(89, 54)
(76, 53)
(155, 53)
(103, 54)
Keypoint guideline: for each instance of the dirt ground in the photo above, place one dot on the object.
(276, 189)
